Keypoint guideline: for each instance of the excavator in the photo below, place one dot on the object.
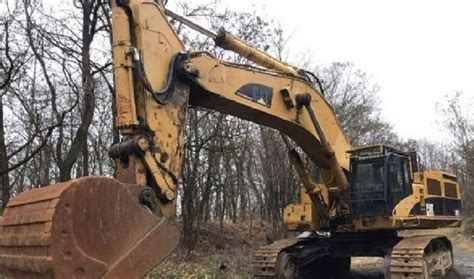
(355, 205)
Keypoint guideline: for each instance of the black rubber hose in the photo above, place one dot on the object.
(131, 21)
(161, 96)
(318, 81)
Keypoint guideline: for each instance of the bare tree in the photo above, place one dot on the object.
(11, 65)
(354, 99)
(63, 47)
(460, 124)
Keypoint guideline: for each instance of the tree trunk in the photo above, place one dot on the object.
(85, 159)
(4, 178)
(46, 166)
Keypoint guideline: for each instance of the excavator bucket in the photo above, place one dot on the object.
(92, 227)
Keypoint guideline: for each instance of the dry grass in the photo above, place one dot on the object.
(221, 252)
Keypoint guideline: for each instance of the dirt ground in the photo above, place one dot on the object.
(463, 267)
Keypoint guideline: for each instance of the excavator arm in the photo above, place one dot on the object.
(156, 80)
(97, 227)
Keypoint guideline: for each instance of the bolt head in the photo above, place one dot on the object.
(169, 195)
(143, 144)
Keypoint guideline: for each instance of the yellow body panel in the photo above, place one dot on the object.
(297, 216)
(222, 80)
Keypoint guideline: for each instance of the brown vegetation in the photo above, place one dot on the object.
(221, 251)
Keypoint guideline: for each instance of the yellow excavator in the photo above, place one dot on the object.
(98, 227)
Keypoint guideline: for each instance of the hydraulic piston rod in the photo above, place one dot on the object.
(304, 100)
(228, 41)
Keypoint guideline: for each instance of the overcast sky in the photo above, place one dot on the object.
(417, 51)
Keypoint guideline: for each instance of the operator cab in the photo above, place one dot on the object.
(380, 176)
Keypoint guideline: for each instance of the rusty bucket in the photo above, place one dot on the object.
(92, 227)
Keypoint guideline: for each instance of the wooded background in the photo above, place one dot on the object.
(57, 113)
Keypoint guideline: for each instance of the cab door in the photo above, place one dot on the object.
(398, 179)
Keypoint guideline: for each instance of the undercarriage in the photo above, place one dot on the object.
(316, 256)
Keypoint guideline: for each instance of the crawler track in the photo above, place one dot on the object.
(421, 257)
(265, 259)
